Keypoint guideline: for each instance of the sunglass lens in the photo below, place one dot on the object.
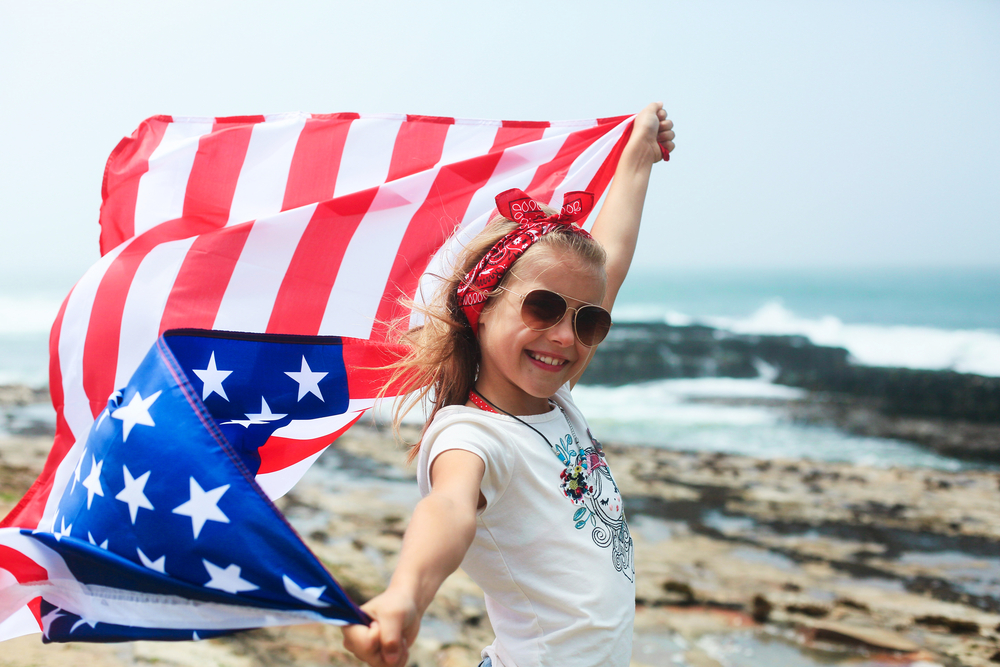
(592, 325)
(542, 309)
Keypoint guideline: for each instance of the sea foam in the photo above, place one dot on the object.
(963, 350)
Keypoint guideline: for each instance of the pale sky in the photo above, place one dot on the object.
(835, 134)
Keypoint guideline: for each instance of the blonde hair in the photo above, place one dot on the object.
(443, 357)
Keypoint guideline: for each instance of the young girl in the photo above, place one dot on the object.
(515, 488)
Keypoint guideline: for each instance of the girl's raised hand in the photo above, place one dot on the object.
(651, 131)
(386, 642)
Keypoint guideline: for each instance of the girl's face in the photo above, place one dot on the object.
(521, 368)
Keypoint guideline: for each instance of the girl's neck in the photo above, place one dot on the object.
(521, 405)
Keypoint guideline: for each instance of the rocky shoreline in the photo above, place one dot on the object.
(801, 562)
(954, 414)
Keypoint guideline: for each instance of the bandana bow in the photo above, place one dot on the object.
(533, 223)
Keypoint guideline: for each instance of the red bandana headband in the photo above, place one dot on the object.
(534, 223)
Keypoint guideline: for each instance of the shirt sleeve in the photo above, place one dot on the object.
(478, 438)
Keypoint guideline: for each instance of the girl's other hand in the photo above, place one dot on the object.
(652, 132)
(386, 642)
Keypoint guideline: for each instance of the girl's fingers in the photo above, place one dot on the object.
(364, 642)
(393, 646)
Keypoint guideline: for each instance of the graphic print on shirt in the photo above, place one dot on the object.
(586, 481)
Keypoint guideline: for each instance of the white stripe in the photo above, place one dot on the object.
(585, 166)
(144, 304)
(368, 259)
(160, 196)
(464, 142)
(278, 483)
(515, 169)
(34, 550)
(21, 622)
(307, 429)
(132, 608)
(260, 190)
(71, 343)
(367, 154)
(560, 130)
(257, 276)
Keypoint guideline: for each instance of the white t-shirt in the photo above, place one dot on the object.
(552, 549)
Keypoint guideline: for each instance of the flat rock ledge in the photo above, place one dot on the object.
(850, 561)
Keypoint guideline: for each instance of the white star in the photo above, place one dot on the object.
(264, 416)
(104, 544)
(228, 579)
(203, 506)
(308, 595)
(308, 380)
(134, 494)
(160, 564)
(77, 470)
(212, 378)
(92, 624)
(195, 637)
(136, 412)
(93, 481)
(66, 530)
(48, 620)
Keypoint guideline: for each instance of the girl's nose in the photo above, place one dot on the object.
(562, 334)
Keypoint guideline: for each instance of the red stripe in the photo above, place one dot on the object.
(549, 176)
(305, 288)
(203, 278)
(238, 120)
(216, 171)
(365, 362)
(418, 146)
(443, 209)
(280, 453)
(100, 351)
(515, 134)
(316, 161)
(599, 183)
(122, 173)
(36, 609)
(25, 570)
(28, 511)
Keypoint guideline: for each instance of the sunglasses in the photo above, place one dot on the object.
(542, 309)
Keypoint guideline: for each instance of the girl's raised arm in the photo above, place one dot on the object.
(617, 224)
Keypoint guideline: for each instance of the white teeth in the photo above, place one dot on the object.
(547, 360)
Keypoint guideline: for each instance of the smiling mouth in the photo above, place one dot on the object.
(548, 361)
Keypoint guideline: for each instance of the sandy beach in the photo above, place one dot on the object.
(739, 561)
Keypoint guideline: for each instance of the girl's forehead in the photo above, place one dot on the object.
(563, 272)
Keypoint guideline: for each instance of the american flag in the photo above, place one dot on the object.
(287, 224)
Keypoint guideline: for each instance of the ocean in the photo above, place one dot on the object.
(933, 319)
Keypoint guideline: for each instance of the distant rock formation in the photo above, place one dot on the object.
(954, 413)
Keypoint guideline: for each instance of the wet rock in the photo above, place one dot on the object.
(868, 636)
(20, 395)
(678, 593)
(852, 604)
(956, 414)
(955, 626)
(760, 608)
(812, 610)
